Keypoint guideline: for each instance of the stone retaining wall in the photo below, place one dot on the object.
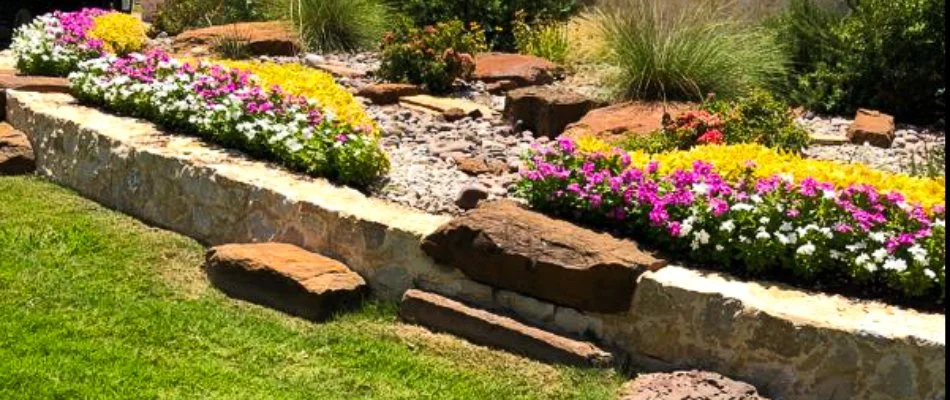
(791, 344)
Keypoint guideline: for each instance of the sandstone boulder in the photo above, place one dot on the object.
(481, 327)
(613, 123)
(16, 153)
(688, 385)
(42, 84)
(872, 127)
(506, 246)
(546, 110)
(448, 108)
(272, 38)
(286, 278)
(469, 197)
(517, 69)
(479, 166)
(388, 93)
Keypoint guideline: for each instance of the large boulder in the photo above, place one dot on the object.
(688, 385)
(873, 127)
(272, 38)
(42, 84)
(388, 93)
(546, 110)
(481, 327)
(16, 153)
(515, 70)
(501, 244)
(286, 278)
(614, 123)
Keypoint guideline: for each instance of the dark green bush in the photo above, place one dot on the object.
(883, 54)
(495, 16)
(434, 56)
(760, 118)
(175, 16)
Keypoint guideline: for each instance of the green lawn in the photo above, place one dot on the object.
(94, 304)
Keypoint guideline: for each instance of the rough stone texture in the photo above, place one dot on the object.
(482, 327)
(445, 105)
(517, 69)
(150, 9)
(872, 127)
(16, 153)
(8, 80)
(262, 38)
(388, 93)
(469, 197)
(285, 277)
(688, 385)
(615, 122)
(503, 245)
(546, 110)
(790, 344)
(480, 166)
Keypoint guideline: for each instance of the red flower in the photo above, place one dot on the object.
(713, 136)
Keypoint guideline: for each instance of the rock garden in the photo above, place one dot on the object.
(736, 192)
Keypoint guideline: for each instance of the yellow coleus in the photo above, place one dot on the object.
(120, 33)
(299, 80)
(731, 161)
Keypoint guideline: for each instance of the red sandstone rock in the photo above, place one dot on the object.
(16, 152)
(873, 127)
(616, 122)
(546, 110)
(688, 385)
(262, 38)
(388, 93)
(284, 277)
(481, 327)
(519, 70)
(506, 246)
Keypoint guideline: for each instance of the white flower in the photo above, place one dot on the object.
(895, 264)
(703, 237)
(701, 188)
(742, 207)
(862, 259)
(879, 255)
(879, 237)
(719, 248)
(918, 253)
(829, 194)
(786, 227)
(763, 235)
(930, 274)
(807, 249)
(940, 223)
(782, 238)
(728, 226)
(764, 220)
(756, 198)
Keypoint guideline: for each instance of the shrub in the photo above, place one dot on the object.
(120, 33)
(229, 107)
(547, 40)
(176, 16)
(298, 80)
(883, 54)
(496, 16)
(685, 50)
(336, 25)
(53, 44)
(760, 118)
(855, 239)
(434, 56)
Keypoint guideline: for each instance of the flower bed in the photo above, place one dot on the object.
(230, 107)
(851, 238)
(313, 84)
(54, 44)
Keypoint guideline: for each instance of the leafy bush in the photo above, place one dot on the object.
(434, 56)
(883, 54)
(120, 33)
(298, 80)
(496, 16)
(230, 107)
(54, 44)
(176, 16)
(677, 50)
(855, 239)
(547, 40)
(336, 25)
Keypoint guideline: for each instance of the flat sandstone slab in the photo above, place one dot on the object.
(501, 244)
(482, 327)
(284, 277)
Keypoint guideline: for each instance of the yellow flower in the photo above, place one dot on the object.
(120, 33)
(299, 80)
(730, 161)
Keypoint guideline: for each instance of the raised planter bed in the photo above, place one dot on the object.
(789, 343)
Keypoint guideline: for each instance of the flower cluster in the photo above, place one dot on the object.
(313, 84)
(695, 127)
(54, 44)
(120, 33)
(230, 107)
(854, 238)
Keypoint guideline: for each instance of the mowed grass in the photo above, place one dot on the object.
(94, 304)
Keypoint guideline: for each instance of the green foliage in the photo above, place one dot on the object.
(336, 25)
(933, 164)
(434, 56)
(760, 118)
(685, 50)
(233, 46)
(176, 16)
(497, 17)
(883, 54)
(543, 39)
